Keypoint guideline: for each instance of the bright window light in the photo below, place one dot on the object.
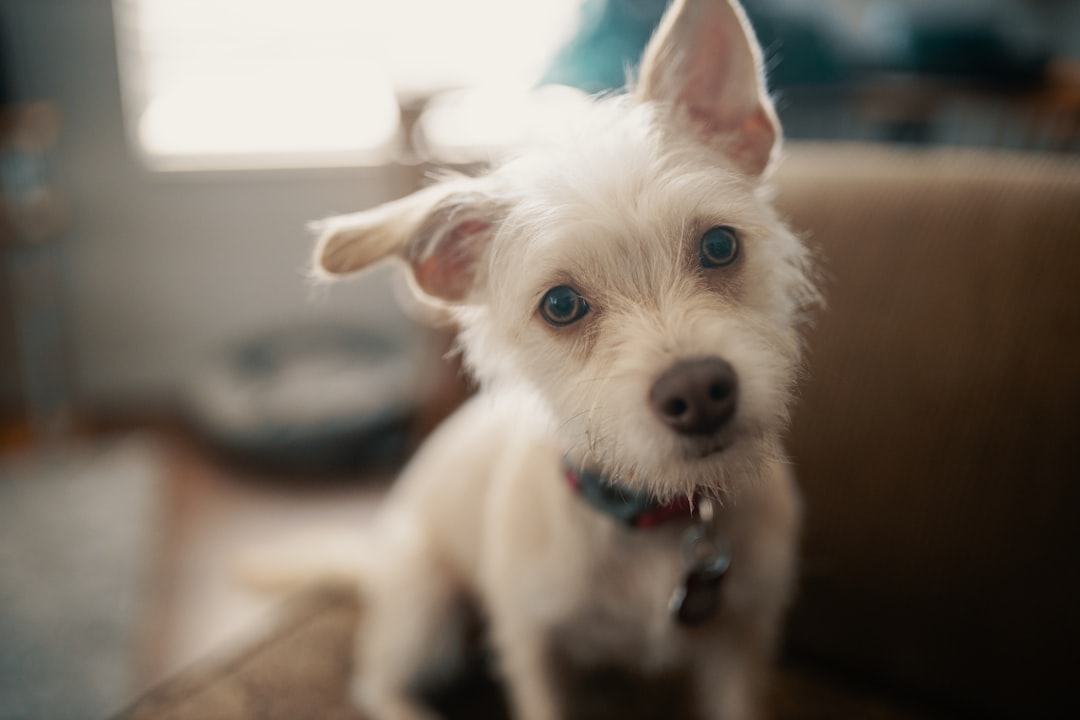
(212, 84)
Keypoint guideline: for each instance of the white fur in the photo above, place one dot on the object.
(615, 208)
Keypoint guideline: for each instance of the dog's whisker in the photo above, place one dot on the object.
(574, 417)
(604, 378)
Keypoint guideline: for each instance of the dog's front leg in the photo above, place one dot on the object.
(408, 614)
(728, 677)
(525, 660)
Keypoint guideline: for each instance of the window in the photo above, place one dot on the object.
(213, 84)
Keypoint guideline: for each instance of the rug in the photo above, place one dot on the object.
(76, 532)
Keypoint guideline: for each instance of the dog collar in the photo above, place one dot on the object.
(631, 508)
(707, 555)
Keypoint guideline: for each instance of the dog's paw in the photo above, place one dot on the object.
(381, 705)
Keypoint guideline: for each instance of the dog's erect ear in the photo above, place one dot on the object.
(705, 60)
(441, 233)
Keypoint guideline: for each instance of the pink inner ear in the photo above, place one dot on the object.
(750, 137)
(449, 270)
(705, 60)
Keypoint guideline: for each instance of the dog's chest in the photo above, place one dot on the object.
(622, 612)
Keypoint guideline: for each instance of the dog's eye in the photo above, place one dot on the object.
(719, 247)
(562, 305)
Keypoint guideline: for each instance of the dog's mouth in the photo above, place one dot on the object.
(729, 447)
(707, 449)
(701, 448)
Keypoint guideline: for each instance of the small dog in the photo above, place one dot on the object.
(631, 304)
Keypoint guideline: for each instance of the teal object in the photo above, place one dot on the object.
(610, 40)
(800, 47)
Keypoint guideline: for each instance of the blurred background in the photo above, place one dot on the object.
(173, 386)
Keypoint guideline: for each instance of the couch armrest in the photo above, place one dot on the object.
(936, 439)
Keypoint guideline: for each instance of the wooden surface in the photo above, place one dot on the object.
(302, 670)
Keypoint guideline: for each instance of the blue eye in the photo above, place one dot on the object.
(562, 305)
(719, 247)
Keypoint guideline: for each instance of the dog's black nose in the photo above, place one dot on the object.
(695, 397)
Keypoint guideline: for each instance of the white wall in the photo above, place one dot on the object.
(164, 269)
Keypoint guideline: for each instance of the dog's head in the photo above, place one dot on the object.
(633, 275)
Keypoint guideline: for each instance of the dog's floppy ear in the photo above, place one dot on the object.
(441, 233)
(705, 60)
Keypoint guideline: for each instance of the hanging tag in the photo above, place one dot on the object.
(697, 596)
(696, 599)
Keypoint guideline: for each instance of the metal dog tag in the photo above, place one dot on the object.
(696, 598)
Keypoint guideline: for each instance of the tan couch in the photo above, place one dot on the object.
(937, 440)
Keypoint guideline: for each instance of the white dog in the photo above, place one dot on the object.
(630, 303)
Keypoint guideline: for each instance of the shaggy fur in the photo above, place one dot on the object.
(616, 209)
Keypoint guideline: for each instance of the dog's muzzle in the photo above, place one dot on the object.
(696, 397)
